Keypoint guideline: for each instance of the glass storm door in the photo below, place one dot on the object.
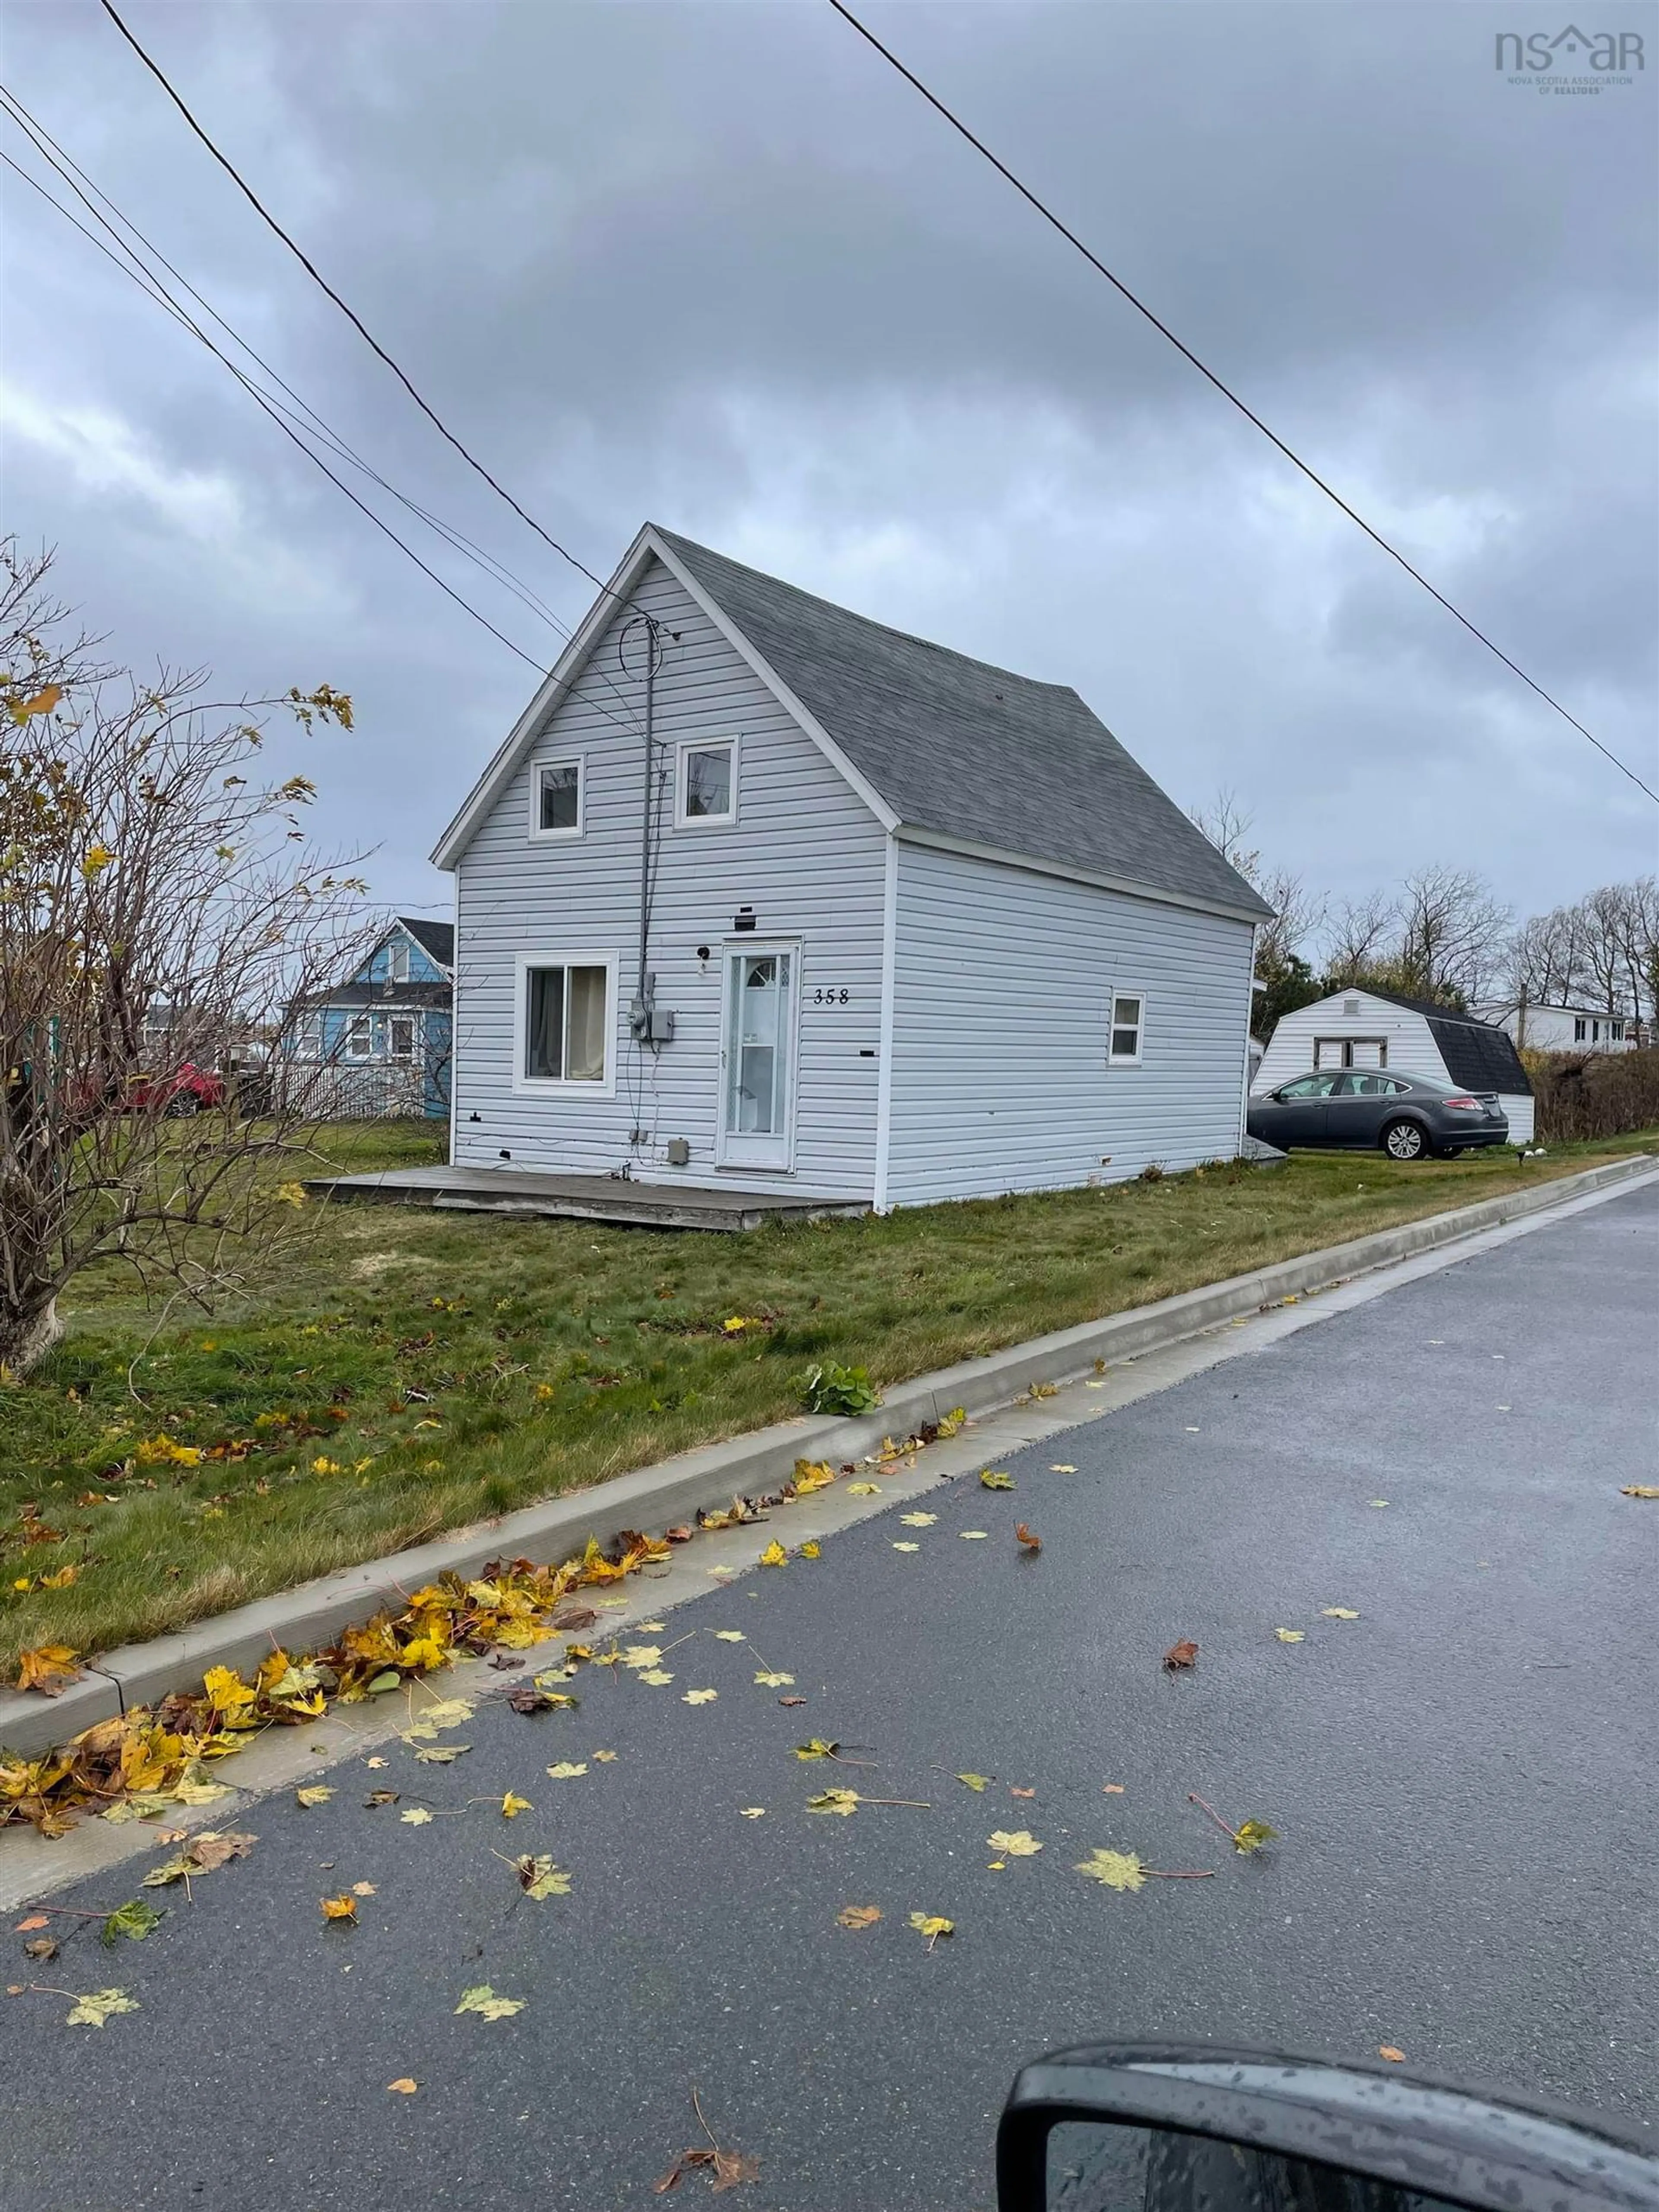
(757, 1058)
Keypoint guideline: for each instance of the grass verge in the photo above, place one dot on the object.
(402, 1372)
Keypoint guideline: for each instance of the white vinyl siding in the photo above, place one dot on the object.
(1004, 983)
(805, 854)
(1305, 1039)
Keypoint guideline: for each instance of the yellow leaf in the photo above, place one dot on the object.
(101, 2005)
(641, 1655)
(22, 711)
(918, 1519)
(606, 1757)
(752, 1812)
(864, 1490)
(858, 1916)
(973, 1536)
(317, 1793)
(657, 1676)
(976, 1781)
(539, 1878)
(96, 858)
(416, 1817)
(1639, 1489)
(405, 2086)
(907, 1547)
(512, 1806)
(699, 1697)
(1339, 1612)
(932, 1925)
(810, 1551)
(775, 1555)
(992, 1478)
(1290, 1635)
(731, 1636)
(567, 1770)
(343, 1907)
(226, 1692)
(812, 1474)
(61, 1580)
(484, 2000)
(48, 1667)
(1250, 1835)
(1062, 1466)
(1016, 1843)
(363, 1889)
(817, 1747)
(443, 1713)
(834, 1800)
(771, 1680)
(1116, 1869)
(1377, 1501)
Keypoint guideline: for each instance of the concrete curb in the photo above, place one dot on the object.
(657, 1497)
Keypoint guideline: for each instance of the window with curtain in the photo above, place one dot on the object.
(565, 1024)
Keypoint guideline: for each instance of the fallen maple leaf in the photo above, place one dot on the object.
(135, 1919)
(48, 1667)
(604, 1757)
(1114, 1869)
(1015, 1842)
(751, 1812)
(484, 2000)
(101, 2005)
(641, 1655)
(918, 1519)
(699, 1697)
(382, 1797)
(768, 1679)
(1062, 1466)
(1250, 1835)
(1338, 1613)
(792, 1701)
(441, 1754)
(34, 1920)
(317, 1793)
(907, 1547)
(864, 1490)
(775, 1555)
(1014, 1790)
(1628, 1490)
(405, 2086)
(1028, 1537)
(512, 1805)
(817, 1747)
(932, 1925)
(539, 1878)
(1184, 1654)
(42, 1947)
(729, 1635)
(363, 1889)
(993, 1478)
(567, 1769)
(416, 1817)
(1111, 1789)
(1290, 1635)
(201, 1855)
(834, 1800)
(532, 1697)
(1388, 2051)
(973, 1536)
(976, 1781)
(858, 1915)
(657, 1676)
(343, 1907)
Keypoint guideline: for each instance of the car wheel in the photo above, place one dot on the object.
(182, 1105)
(1404, 1140)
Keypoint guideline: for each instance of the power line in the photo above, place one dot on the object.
(1163, 330)
(58, 159)
(317, 276)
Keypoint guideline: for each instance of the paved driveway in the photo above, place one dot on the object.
(1463, 1778)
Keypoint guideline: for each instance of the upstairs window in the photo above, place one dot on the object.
(556, 796)
(708, 782)
(396, 961)
(1128, 1021)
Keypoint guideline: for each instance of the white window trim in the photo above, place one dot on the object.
(579, 761)
(354, 1024)
(391, 1022)
(1125, 1059)
(396, 954)
(681, 819)
(540, 1086)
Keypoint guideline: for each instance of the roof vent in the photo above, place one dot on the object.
(1351, 1006)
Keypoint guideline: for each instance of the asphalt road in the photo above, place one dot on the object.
(1464, 1780)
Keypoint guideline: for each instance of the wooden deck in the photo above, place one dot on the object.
(520, 1191)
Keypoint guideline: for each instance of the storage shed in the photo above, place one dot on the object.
(1412, 1036)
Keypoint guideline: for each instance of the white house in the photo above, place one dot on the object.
(1563, 1028)
(1412, 1036)
(823, 906)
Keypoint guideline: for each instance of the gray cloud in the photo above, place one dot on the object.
(720, 266)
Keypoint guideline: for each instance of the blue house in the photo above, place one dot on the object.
(391, 1019)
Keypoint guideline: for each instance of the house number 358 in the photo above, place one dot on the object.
(832, 998)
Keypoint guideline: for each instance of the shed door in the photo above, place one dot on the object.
(757, 1056)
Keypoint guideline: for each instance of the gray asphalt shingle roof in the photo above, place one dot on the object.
(968, 750)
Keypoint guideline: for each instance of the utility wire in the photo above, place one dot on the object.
(275, 414)
(63, 163)
(352, 317)
(1163, 330)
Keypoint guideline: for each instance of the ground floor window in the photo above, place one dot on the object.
(400, 1037)
(564, 1020)
(1350, 1052)
(1128, 1020)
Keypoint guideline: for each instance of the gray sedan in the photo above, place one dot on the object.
(1357, 1110)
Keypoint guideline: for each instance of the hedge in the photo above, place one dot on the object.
(1580, 1096)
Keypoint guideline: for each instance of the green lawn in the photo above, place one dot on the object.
(402, 1372)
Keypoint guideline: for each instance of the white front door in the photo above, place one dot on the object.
(757, 1056)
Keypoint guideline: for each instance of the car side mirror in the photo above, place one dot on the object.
(1168, 2127)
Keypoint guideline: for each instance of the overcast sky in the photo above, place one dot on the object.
(719, 267)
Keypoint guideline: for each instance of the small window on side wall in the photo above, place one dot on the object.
(1129, 1025)
(566, 1034)
(708, 783)
(556, 799)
